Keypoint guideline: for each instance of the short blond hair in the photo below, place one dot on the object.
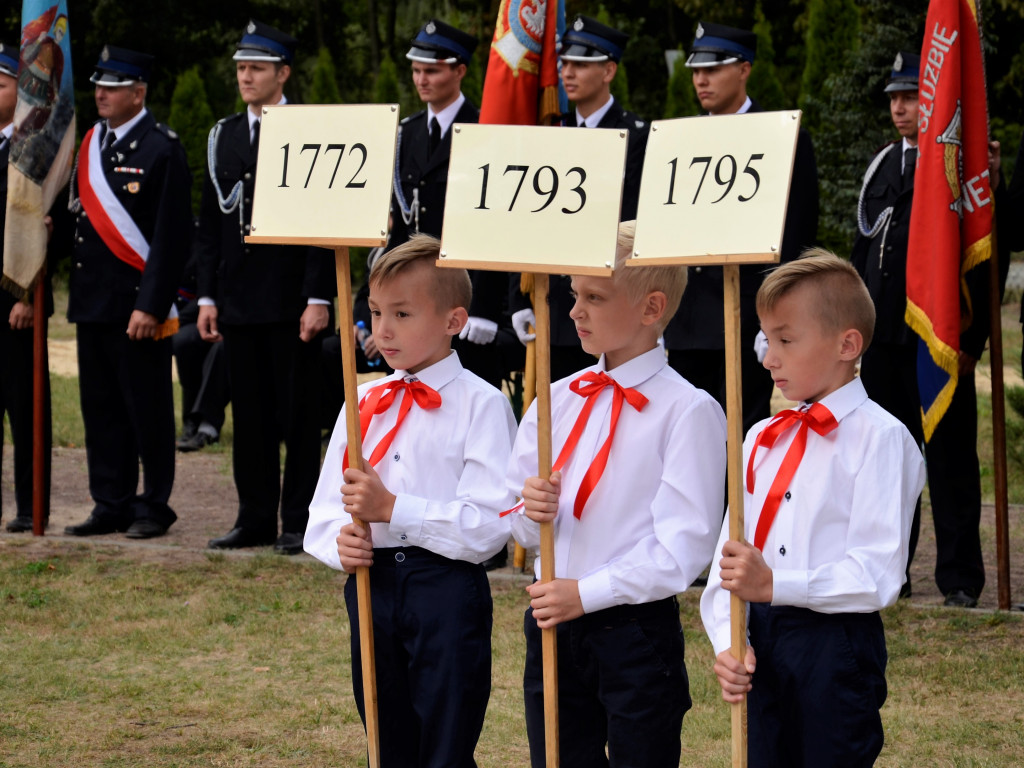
(452, 287)
(640, 281)
(840, 298)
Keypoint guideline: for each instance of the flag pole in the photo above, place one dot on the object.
(39, 370)
(999, 428)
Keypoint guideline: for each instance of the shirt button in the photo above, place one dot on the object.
(396, 457)
(788, 495)
(782, 550)
(399, 557)
(403, 537)
(247, 176)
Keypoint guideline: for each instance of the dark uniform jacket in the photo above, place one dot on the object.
(252, 283)
(148, 173)
(885, 271)
(700, 321)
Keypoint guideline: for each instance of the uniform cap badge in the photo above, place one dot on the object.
(105, 54)
(700, 31)
(578, 25)
(898, 64)
(251, 28)
(431, 28)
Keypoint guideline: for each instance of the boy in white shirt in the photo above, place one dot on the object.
(636, 500)
(829, 497)
(435, 440)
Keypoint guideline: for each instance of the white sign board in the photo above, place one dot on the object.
(324, 174)
(715, 189)
(533, 198)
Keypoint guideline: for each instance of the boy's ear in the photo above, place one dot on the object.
(851, 345)
(653, 306)
(457, 319)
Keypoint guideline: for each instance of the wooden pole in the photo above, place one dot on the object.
(529, 393)
(39, 370)
(734, 416)
(999, 430)
(355, 459)
(549, 641)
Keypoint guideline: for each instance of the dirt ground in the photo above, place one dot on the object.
(206, 503)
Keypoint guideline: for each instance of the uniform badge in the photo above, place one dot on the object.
(133, 187)
(700, 31)
(578, 25)
(898, 64)
(251, 28)
(431, 28)
(105, 54)
(134, 144)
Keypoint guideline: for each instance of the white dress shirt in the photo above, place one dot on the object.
(446, 116)
(446, 467)
(649, 527)
(839, 543)
(594, 118)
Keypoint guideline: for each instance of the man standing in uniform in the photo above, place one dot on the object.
(440, 55)
(889, 367)
(16, 335)
(271, 303)
(720, 59)
(590, 57)
(131, 194)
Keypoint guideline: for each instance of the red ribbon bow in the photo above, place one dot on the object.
(379, 399)
(817, 417)
(590, 385)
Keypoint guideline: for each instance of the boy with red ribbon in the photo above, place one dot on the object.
(636, 500)
(432, 491)
(829, 489)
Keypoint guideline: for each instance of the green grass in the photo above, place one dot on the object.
(122, 659)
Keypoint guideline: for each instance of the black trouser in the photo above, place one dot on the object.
(621, 681)
(432, 641)
(202, 373)
(128, 411)
(16, 400)
(817, 689)
(275, 396)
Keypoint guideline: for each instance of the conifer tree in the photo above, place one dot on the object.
(832, 29)
(681, 101)
(323, 88)
(192, 119)
(763, 83)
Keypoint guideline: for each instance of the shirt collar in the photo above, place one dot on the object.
(7, 131)
(595, 117)
(639, 369)
(846, 399)
(254, 118)
(125, 128)
(438, 374)
(446, 116)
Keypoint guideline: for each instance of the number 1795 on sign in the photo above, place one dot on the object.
(726, 176)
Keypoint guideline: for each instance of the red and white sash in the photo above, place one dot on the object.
(111, 221)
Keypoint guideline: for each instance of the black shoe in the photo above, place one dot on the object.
(237, 538)
(145, 529)
(22, 524)
(497, 560)
(960, 598)
(906, 591)
(196, 442)
(94, 526)
(288, 544)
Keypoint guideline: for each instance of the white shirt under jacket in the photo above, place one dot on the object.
(446, 467)
(839, 543)
(648, 529)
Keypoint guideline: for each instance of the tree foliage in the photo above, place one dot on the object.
(323, 87)
(763, 83)
(192, 118)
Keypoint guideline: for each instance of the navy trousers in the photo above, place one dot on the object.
(817, 690)
(432, 641)
(621, 682)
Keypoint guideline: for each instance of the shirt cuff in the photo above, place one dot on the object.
(206, 301)
(407, 519)
(596, 591)
(789, 588)
(318, 301)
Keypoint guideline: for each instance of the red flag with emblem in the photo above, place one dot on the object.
(951, 218)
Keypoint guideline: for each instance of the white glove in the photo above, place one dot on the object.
(479, 330)
(760, 346)
(521, 322)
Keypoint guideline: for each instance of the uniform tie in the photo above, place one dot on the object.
(379, 399)
(255, 142)
(590, 385)
(582, 123)
(909, 163)
(817, 417)
(435, 135)
(108, 139)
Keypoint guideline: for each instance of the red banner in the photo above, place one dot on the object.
(522, 85)
(951, 218)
